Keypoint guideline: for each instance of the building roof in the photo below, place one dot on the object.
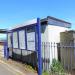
(3, 31)
(49, 20)
(58, 19)
(55, 21)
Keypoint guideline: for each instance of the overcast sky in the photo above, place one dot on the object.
(13, 12)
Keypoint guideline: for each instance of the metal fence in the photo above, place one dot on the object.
(49, 52)
(63, 52)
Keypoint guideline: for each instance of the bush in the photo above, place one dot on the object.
(56, 67)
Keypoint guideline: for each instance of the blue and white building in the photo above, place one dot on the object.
(22, 39)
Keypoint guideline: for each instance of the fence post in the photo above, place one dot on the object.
(39, 47)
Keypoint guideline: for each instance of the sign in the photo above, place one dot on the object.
(22, 39)
(31, 41)
(15, 40)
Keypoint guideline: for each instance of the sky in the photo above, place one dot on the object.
(14, 12)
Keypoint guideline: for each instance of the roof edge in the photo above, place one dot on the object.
(58, 19)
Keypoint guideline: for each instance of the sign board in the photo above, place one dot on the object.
(22, 40)
(15, 40)
(31, 41)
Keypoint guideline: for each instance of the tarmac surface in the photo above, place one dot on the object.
(5, 70)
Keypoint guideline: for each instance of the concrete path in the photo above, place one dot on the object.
(5, 70)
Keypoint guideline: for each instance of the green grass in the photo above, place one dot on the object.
(45, 73)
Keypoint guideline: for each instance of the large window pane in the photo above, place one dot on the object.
(15, 40)
(31, 38)
(22, 39)
(9, 40)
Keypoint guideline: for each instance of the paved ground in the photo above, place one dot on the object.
(18, 67)
(5, 70)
